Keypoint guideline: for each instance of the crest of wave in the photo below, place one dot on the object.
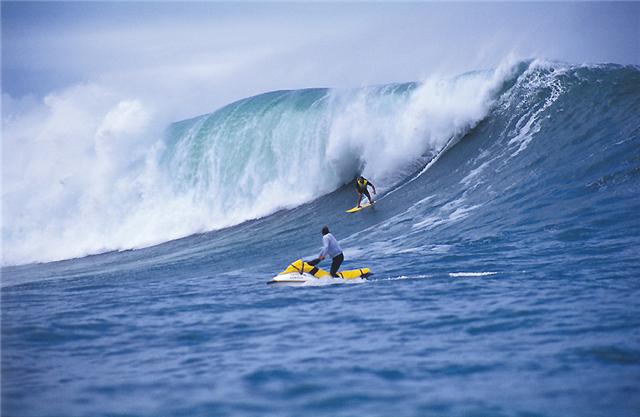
(390, 141)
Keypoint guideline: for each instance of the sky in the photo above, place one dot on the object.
(196, 57)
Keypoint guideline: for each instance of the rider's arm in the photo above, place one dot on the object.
(325, 248)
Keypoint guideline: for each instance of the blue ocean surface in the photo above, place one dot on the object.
(505, 246)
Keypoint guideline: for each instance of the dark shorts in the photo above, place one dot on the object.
(335, 264)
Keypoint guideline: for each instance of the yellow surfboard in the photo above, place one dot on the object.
(353, 210)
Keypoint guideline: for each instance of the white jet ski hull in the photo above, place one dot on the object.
(300, 280)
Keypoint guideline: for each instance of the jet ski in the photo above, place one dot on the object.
(300, 273)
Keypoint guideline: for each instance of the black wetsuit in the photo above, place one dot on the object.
(362, 189)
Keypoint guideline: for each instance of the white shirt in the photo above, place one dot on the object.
(330, 246)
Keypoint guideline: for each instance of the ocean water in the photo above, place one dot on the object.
(505, 246)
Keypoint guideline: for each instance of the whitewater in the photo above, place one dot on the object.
(505, 246)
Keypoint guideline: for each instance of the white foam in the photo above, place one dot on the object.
(405, 277)
(321, 282)
(473, 174)
(471, 274)
(530, 123)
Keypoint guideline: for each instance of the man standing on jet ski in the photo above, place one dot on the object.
(331, 247)
(361, 187)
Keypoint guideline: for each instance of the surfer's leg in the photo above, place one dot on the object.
(368, 196)
(335, 264)
(359, 199)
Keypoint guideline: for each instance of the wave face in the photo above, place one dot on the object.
(551, 176)
(244, 161)
(285, 148)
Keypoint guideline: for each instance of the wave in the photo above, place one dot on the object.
(115, 186)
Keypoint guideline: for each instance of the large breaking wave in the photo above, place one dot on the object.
(92, 173)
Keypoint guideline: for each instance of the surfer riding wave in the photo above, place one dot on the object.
(361, 188)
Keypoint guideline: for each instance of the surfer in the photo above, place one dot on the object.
(331, 247)
(361, 188)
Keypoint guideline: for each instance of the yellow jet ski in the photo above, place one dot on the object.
(301, 273)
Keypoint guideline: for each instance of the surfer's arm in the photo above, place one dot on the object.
(374, 187)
